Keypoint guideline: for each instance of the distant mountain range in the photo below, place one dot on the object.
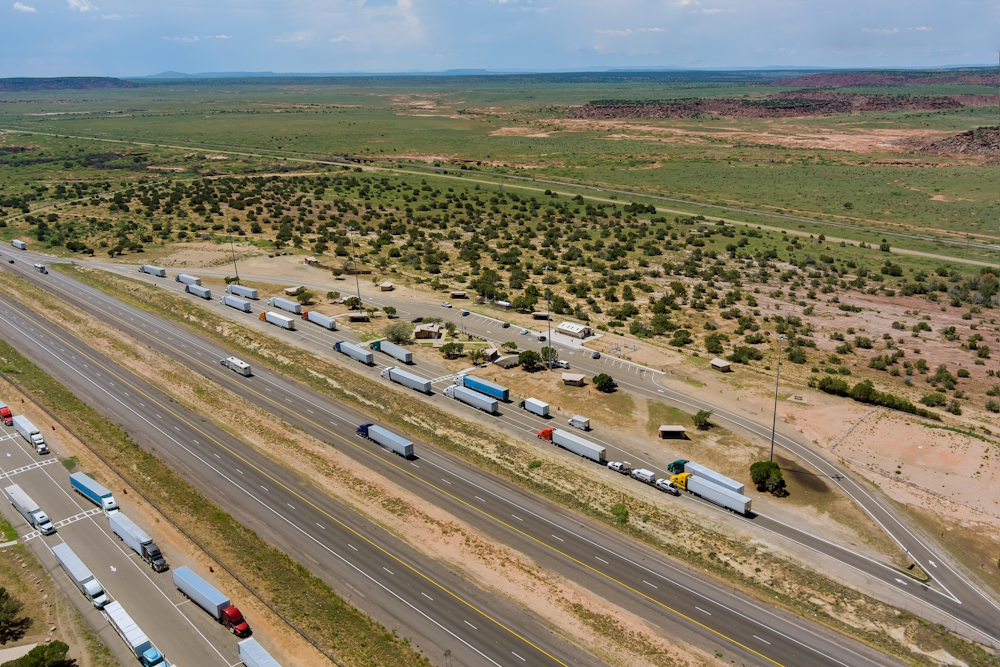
(24, 84)
(251, 75)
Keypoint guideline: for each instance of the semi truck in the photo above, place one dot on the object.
(387, 439)
(285, 304)
(410, 380)
(153, 270)
(483, 386)
(574, 443)
(6, 414)
(253, 654)
(704, 488)
(355, 352)
(237, 365)
(325, 321)
(473, 398)
(716, 478)
(80, 575)
(211, 600)
(40, 268)
(644, 476)
(240, 290)
(187, 280)
(137, 540)
(535, 406)
(29, 509)
(278, 320)
(198, 290)
(236, 302)
(19, 244)
(580, 422)
(87, 487)
(393, 350)
(133, 636)
(30, 434)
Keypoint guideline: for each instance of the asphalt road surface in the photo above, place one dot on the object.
(949, 592)
(666, 594)
(183, 632)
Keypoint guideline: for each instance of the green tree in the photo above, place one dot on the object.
(549, 353)
(45, 655)
(620, 513)
(510, 346)
(353, 303)
(397, 332)
(304, 297)
(12, 625)
(333, 296)
(452, 350)
(681, 338)
(529, 359)
(702, 419)
(767, 476)
(389, 311)
(604, 383)
(476, 356)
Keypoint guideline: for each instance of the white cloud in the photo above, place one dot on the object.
(220, 36)
(881, 31)
(111, 17)
(18, 7)
(619, 33)
(712, 10)
(301, 36)
(181, 39)
(82, 5)
(687, 3)
(923, 27)
(338, 40)
(654, 29)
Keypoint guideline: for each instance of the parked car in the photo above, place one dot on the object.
(446, 304)
(667, 486)
(541, 339)
(465, 313)
(524, 332)
(417, 320)
(505, 325)
(618, 466)
(595, 355)
(559, 363)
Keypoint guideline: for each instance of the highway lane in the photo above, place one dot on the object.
(974, 609)
(329, 539)
(614, 571)
(183, 632)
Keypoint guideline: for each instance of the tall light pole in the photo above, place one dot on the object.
(774, 418)
(357, 281)
(548, 312)
(232, 248)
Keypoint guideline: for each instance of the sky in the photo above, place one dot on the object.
(128, 38)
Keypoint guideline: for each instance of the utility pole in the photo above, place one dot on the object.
(774, 418)
(548, 312)
(232, 247)
(357, 281)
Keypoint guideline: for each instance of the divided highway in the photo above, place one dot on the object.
(948, 591)
(668, 595)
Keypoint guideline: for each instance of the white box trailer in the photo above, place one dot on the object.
(399, 376)
(253, 654)
(536, 406)
(30, 433)
(198, 290)
(240, 290)
(137, 540)
(187, 280)
(236, 302)
(325, 321)
(643, 475)
(278, 320)
(575, 444)
(285, 304)
(133, 636)
(29, 509)
(355, 352)
(393, 350)
(19, 244)
(387, 439)
(78, 573)
(719, 495)
(580, 422)
(699, 470)
(473, 398)
(153, 270)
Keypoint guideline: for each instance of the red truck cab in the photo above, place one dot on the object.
(233, 619)
(6, 415)
(546, 433)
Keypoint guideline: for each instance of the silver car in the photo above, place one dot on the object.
(667, 486)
